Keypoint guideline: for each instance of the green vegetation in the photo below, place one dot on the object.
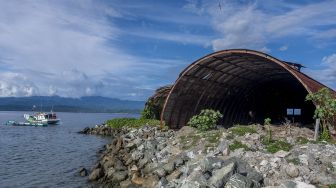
(149, 111)
(295, 161)
(302, 140)
(274, 146)
(325, 110)
(267, 121)
(131, 122)
(236, 145)
(189, 141)
(230, 136)
(206, 120)
(329, 186)
(242, 130)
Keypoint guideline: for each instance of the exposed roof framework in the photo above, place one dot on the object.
(236, 82)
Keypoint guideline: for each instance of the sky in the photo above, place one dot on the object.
(127, 49)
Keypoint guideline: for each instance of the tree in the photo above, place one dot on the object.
(325, 103)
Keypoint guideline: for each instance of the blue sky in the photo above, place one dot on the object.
(126, 49)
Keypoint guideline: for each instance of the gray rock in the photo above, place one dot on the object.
(109, 172)
(136, 155)
(160, 172)
(296, 184)
(143, 162)
(119, 176)
(210, 163)
(223, 147)
(303, 159)
(292, 171)
(220, 176)
(96, 174)
(239, 181)
(126, 184)
(131, 145)
(179, 162)
(163, 181)
(174, 175)
(169, 167)
(245, 169)
(118, 165)
(190, 185)
(197, 177)
(83, 172)
(281, 154)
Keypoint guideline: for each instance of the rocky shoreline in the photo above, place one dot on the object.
(188, 158)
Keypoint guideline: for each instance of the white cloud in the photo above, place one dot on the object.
(327, 73)
(13, 84)
(255, 25)
(330, 60)
(67, 48)
(283, 48)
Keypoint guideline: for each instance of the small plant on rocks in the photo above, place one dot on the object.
(267, 124)
(274, 146)
(302, 140)
(236, 145)
(206, 120)
(242, 130)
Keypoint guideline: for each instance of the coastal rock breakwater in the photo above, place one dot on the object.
(150, 157)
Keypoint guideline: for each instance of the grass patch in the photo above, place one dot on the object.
(230, 136)
(295, 161)
(236, 145)
(242, 130)
(274, 146)
(329, 186)
(302, 140)
(189, 141)
(213, 138)
(131, 122)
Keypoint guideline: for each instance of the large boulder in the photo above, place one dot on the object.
(221, 176)
(239, 181)
(96, 174)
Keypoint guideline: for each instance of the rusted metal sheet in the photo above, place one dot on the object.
(231, 81)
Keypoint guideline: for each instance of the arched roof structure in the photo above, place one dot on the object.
(239, 82)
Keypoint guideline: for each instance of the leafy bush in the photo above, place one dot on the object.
(267, 121)
(325, 103)
(131, 122)
(236, 145)
(242, 130)
(149, 111)
(325, 136)
(206, 120)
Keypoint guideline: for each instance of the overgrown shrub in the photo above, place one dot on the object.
(206, 120)
(149, 112)
(325, 103)
(131, 122)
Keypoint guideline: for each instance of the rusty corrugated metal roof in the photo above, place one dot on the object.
(224, 79)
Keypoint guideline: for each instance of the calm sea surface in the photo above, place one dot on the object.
(49, 156)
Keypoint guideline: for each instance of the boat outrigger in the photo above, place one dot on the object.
(15, 123)
(42, 117)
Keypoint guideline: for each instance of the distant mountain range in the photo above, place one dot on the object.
(62, 104)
